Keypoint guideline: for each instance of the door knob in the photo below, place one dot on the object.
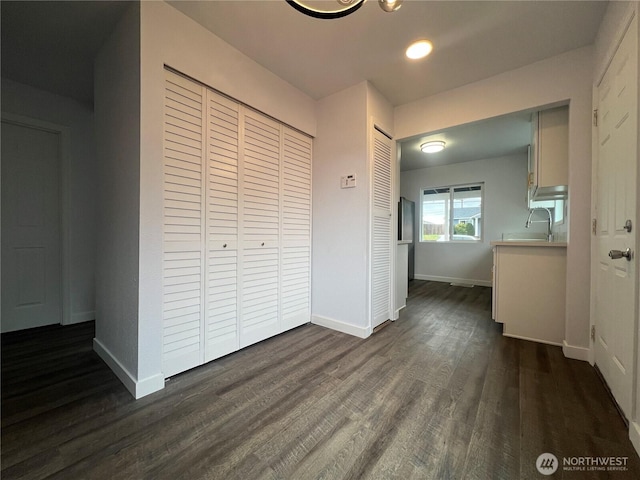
(616, 254)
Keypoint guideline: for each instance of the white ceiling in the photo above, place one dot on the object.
(51, 45)
(496, 137)
(472, 40)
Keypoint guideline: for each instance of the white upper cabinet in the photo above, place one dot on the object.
(549, 154)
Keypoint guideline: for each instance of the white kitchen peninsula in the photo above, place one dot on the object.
(529, 289)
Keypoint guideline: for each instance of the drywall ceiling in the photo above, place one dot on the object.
(495, 137)
(51, 45)
(472, 40)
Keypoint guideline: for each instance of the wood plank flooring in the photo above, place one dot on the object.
(439, 394)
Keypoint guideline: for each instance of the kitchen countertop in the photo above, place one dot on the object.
(519, 243)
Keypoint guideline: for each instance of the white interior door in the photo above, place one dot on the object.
(382, 236)
(31, 259)
(616, 196)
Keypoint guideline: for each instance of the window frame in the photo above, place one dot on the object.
(450, 213)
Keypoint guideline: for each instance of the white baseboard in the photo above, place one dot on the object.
(577, 353)
(137, 388)
(362, 332)
(634, 436)
(434, 278)
(80, 317)
(537, 340)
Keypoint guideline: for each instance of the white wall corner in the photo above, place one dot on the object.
(577, 353)
(355, 330)
(137, 388)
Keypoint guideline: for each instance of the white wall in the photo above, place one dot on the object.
(341, 216)
(117, 119)
(505, 210)
(81, 181)
(548, 82)
(168, 37)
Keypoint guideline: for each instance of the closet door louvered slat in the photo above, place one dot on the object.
(382, 231)
(296, 229)
(260, 228)
(222, 226)
(183, 275)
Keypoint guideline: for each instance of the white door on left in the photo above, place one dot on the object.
(31, 259)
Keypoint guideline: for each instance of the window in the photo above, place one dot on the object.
(452, 214)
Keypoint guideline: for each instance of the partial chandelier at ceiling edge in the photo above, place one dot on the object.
(338, 8)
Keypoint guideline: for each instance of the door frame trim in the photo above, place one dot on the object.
(64, 200)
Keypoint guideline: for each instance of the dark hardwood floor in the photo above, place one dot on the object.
(437, 394)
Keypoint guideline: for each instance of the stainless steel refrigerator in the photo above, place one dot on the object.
(406, 222)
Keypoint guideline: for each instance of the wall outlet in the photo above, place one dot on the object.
(348, 181)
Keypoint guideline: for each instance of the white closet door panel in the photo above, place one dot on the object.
(218, 181)
(183, 221)
(260, 290)
(261, 179)
(228, 199)
(182, 313)
(171, 177)
(223, 143)
(381, 247)
(222, 304)
(296, 229)
(296, 286)
(258, 171)
(256, 204)
(381, 266)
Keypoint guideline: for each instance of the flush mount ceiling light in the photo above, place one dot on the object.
(419, 49)
(433, 147)
(329, 9)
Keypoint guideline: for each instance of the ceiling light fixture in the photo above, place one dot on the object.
(390, 5)
(433, 147)
(419, 49)
(344, 7)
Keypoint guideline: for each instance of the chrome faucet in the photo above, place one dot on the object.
(549, 221)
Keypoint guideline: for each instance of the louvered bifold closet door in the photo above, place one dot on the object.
(222, 226)
(296, 229)
(183, 221)
(382, 229)
(260, 228)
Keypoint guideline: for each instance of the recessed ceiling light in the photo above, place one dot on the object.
(419, 49)
(433, 147)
